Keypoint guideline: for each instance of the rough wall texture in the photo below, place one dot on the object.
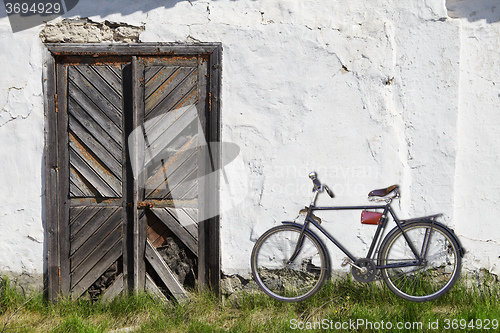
(477, 181)
(87, 31)
(367, 94)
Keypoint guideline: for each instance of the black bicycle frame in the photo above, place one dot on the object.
(381, 226)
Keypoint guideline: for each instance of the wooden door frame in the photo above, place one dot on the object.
(56, 230)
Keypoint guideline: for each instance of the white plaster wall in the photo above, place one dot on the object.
(367, 94)
(21, 147)
(477, 189)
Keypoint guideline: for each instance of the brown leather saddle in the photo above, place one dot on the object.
(383, 192)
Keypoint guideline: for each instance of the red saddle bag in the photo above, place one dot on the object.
(370, 217)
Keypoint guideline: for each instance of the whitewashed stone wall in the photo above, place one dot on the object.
(366, 93)
(477, 178)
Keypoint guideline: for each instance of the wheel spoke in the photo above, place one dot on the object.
(437, 273)
(285, 281)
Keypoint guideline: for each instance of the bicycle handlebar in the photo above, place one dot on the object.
(318, 186)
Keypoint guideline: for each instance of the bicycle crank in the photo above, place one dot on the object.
(363, 270)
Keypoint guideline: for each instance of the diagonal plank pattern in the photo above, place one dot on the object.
(95, 131)
(113, 229)
(96, 237)
(171, 140)
(180, 223)
(171, 133)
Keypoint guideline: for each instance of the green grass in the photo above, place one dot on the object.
(341, 305)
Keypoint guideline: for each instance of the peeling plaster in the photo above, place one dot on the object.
(18, 105)
(85, 30)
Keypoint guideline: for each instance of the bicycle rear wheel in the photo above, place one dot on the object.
(435, 276)
(289, 281)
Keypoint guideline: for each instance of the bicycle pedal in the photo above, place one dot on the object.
(346, 262)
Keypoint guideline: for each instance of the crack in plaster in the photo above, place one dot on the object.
(480, 240)
(13, 104)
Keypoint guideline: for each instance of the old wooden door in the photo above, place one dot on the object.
(126, 160)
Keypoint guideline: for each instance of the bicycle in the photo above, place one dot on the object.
(419, 259)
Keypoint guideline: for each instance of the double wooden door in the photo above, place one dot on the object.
(127, 156)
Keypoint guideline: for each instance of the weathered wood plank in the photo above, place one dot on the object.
(210, 203)
(158, 104)
(75, 212)
(187, 172)
(97, 202)
(86, 104)
(106, 157)
(160, 78)
(158, 177)
(154, 290)
(165, 273)
(51, 180)
(77, 188)
(177, 229)
(99, 133)
(181, 61)
(185, 220)
(191, 212)
(101, 87)
(137, 193)
(83, 261)
(140, 268)
(128, 177)
(63, 174)
(98, 270)
(93, 171)
(80, 218)
(133, 49)
(117, 70)
(112, 75)
(151, 71)
(78, 81)
(189, 182)
(192, 193)
(95, 230)
(161, 131)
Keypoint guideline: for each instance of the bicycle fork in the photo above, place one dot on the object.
(300, 241)
(298, 247)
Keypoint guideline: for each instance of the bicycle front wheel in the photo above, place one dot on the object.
(439, 270)
(285, 280)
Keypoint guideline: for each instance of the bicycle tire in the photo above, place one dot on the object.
(429, 281)
(298, 280)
